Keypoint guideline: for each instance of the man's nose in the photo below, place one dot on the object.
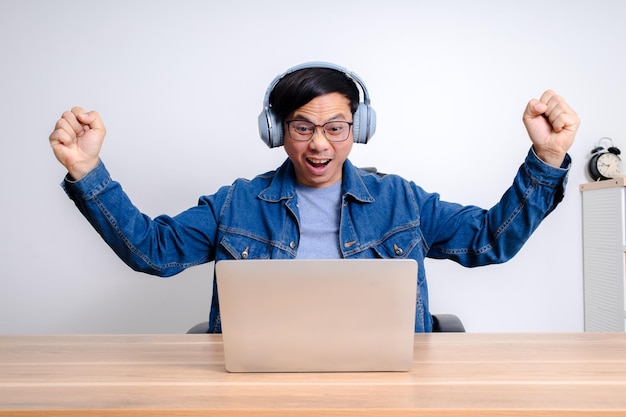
(319, 136)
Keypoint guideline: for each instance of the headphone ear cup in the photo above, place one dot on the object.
(270, 129)
(364, 123)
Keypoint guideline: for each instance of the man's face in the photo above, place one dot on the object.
(318, 162)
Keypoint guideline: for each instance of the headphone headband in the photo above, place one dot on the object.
(364, 123)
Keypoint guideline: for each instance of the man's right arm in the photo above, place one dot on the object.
(162, 246)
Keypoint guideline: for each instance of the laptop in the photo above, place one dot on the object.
(333, 315)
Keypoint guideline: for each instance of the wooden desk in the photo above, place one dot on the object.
(454, 374)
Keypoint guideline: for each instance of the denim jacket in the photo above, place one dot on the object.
(382, 216)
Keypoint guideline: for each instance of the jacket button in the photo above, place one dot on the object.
(292, 245)
(244, 254)
(397, 250)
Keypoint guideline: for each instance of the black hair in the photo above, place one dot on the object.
(296, 89)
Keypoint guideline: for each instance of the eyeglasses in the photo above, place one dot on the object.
(303, 131)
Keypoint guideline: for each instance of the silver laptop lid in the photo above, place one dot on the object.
(317, 315)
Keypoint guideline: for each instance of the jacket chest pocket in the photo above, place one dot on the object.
(244, 247)
(398, 245)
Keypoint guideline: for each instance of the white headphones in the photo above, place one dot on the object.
(364, 122)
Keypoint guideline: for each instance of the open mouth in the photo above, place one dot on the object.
(318, 163)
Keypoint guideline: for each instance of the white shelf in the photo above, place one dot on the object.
(604, 254)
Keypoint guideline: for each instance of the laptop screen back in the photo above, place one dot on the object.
(317, 315)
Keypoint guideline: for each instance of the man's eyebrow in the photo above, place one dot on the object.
(337, 117)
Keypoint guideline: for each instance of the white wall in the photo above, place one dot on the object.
(180, 84)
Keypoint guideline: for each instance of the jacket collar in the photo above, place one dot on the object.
(283, 184)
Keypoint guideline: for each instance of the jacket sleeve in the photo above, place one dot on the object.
(161, 246)
(473, 236)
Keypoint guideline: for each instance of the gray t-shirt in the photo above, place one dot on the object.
(320, 209)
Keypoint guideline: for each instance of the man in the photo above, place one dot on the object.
(317, 204)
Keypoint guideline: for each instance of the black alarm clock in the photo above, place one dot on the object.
(605, 162)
